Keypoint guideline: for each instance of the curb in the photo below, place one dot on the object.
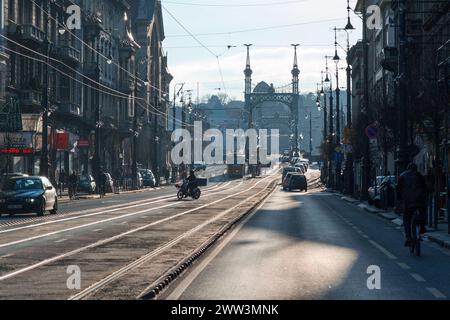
(394, 218)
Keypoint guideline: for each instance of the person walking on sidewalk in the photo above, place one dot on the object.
(412, 192)
(73, 182)
(62, 182)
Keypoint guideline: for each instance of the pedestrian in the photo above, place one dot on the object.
(167, 175)
(412, 192)
(102, 184)
(73, 182)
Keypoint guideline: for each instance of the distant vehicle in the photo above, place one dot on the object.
(148, 178)
(236, 171)
(28, 195)
(301, 166)
(285, 159)
(140, 180)
(286, 170)
(87, 184)
(295, 181)
(200, 165)
(184, 192)
(6, 176)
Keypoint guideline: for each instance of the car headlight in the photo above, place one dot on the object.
(30, 200)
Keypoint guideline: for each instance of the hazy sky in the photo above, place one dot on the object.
(272, 56)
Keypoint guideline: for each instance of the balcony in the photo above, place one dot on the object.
(70, 108)
(30, 97)
(70, 54)
(28, 32)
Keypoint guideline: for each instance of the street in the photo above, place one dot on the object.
(314, 246)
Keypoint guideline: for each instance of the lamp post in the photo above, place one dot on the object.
(331, 127)
(336, 59)
(175, 95)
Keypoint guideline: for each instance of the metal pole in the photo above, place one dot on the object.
(155, 144)
(331, 139)
(97, 157)
(310, 136)
(135, 135)
(403, 156)
(44, 152)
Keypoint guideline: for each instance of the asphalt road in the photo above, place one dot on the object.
(104, 238)
(315, 246)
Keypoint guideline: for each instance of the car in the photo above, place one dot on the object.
(6, 176)
(28, 195)
(86, 184)
(376, 190)
(295, 181)
(140, 181)
(286, 170)
(285, 159)
(148, 178)
(301, 166)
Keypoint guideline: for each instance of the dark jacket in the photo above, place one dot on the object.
(412, 189)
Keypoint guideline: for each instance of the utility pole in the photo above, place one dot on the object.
(328, 79)
(135, 134)
(44, 152)
(155, 136)
(97, 157)
(336, 59)
(310, 137)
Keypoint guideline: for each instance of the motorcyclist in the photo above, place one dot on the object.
(191, 182)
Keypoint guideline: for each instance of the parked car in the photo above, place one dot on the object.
(295, 181)
(129, 180)
(379, 189)
(6, 176)
(286, 170)
(285, 159)
(86, 184)
(28, 195)
(148, 178)
(301, 166)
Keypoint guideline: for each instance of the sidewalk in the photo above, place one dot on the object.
(439, 235)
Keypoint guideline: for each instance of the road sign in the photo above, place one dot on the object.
(372, 132)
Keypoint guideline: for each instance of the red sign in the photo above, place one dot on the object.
(60, 141)
(83, 143)
(17, 151)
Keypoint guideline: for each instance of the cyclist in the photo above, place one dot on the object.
(411, 190)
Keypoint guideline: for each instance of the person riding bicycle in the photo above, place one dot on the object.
(411, 190)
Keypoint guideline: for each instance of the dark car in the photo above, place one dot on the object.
(86, 184)
(148, 178)
(295, 181)
(6, 176)
(28, 195)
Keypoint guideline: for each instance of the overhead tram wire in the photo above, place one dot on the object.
(119, 95)
(263, 4)
(132, 76)
(199, 42)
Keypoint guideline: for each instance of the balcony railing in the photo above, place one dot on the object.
(70, 108)
(31, 97)
(71, 54)
(31, 32)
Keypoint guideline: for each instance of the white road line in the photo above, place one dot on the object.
(6, 256)
(365, 236)
(417, 277)
(61, 240)
(119, 236)
(404, 266)
(97, 230)
(102, 221)
(97, 211)
(436, 293)
(382, 249)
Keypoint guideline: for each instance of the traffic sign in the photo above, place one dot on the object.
(372, 132)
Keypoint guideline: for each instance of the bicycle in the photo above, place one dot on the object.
(416, 238)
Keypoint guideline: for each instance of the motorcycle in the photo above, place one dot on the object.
(184, 191)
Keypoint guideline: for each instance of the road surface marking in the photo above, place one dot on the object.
(6, 256)
(60, 240)
(119, 236)
(189, 279)
(436, 293)
(97, 230)
(365, 236)
(404, 266)
(382, 249)
(417, 277)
